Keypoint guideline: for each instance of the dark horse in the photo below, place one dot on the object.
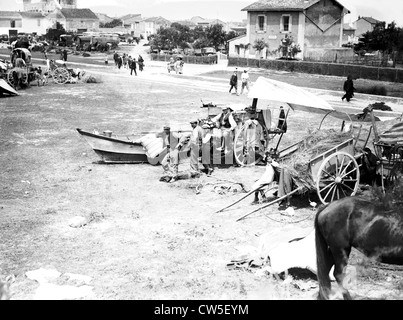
(375, 228)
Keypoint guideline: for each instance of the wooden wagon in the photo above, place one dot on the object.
(388, 147)
(26, 72)
(335, 172)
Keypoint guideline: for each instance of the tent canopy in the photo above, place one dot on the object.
(6, 88)
(298, 99)
(280, 93)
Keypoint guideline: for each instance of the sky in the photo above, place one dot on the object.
(225, 10)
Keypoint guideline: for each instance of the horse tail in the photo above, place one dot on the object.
(324, 259)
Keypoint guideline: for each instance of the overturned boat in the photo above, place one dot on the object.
(114, 150)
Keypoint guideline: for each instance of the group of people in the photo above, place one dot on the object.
(176, 66)
(199, 143)
(233, 82)
(127, 62)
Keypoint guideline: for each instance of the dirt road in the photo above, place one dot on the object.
(142, 238)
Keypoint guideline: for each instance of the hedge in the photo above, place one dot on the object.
(323, 68)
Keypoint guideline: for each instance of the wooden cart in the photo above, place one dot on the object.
(26, 73)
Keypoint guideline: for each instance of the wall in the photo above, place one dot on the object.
(232, 47)
(272, 34)
(323, 25)
(362, 26)
(6, 23)
(329, 55)
(187, 59)
(31, 25)
(89, 24)
(331, 69)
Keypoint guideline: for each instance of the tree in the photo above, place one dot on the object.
(216, 35)
(231, 35)
(259, 45)
(165, 38)
(197, 33)
(184, 35)
(114, 23)
(388, 40)
(288, 47)
(53, 34)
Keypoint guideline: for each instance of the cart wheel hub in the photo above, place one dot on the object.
(338, 180)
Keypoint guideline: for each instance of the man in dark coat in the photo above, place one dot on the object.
(233, 82)
(348, 87)
(115, 58)
(133, 67)
(64, 55)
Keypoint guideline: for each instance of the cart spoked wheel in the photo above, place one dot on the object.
(248, 148)
(61, 75)
(338, 177)
(10, 77)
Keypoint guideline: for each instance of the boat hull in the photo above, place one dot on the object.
(113, 150)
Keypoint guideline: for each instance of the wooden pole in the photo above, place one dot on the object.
(239, 200)
(270, 203)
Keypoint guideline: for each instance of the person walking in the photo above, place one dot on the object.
(141, 63)
(245, 80)
(120, 62)
(64, 55)
(348, 88)
(133, 67)
(233, 82)
(116, 58)
(125, 60)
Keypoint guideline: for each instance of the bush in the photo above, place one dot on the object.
(376, 90)
(91, 79)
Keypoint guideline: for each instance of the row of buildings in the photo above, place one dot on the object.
(317, 26)
(38, 16)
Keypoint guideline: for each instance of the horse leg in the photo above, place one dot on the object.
(324, 262)
(341, 259)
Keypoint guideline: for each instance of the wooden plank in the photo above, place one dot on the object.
(270, 203)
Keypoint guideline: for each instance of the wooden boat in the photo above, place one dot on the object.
(113, 150)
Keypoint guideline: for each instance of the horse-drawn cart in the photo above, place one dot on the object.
(335, 169)
(61, 74)
(388, 147)
(22, 73)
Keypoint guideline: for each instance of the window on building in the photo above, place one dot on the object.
(261, 23)
(285, 23)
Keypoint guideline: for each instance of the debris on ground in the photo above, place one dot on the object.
(280, 251)
(73, 286)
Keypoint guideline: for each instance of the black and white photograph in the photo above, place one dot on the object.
(201, 154)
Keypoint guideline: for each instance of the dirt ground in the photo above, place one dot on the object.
(144, 239)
